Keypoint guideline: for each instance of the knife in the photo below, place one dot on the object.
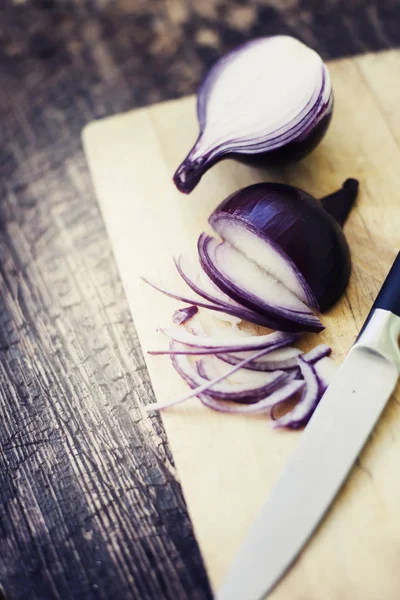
(313, 476)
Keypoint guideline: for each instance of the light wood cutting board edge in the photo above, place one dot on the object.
(224, 483)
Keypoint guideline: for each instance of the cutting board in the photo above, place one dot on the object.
(227, 464)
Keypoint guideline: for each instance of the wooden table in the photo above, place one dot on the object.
(90, 505)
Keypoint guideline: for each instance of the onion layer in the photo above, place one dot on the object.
(303, 410)
(282, 256)
(247, 283)
(195, 344)
(183, 315)
(283, 358)
(234, 392)
(277, 397)
(240, 313)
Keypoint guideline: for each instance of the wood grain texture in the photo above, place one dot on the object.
(90, 506)
(153, 50)
(227, 463)
(90, 503)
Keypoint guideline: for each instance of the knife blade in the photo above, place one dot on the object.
(327, 450)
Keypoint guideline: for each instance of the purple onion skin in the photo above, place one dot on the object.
(289, 153)
(340, 203)
(303, 230)
(183, 315)
(193, 172)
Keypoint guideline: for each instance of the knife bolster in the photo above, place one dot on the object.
(381, 335)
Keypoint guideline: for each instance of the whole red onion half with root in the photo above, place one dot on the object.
(268, 102)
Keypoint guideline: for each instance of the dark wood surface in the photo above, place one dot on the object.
(90, 503)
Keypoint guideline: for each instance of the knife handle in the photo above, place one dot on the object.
(381, 329)
(389, 295)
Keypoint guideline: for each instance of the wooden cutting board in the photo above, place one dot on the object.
(227, 464)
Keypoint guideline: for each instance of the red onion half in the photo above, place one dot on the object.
(283, 256)
(290, 236)
(191, 343)
(269, 101)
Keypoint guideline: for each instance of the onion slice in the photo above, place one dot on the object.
(304, 409)
(269, 341)
(253, 287)
(278, 396)
(237, 391)
(183, 315)
(317, 353)
(244, 313)
(325, 369)
(201, 284)
(291, 236)
(283, 359)
(209, 367)
(243, 391)
(190, 375)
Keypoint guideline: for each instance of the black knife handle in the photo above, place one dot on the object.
(389, 295)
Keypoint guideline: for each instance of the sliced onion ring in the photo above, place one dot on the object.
(209, 367)
(281, 395)
(283, 358)
(183, 315)
(192, 378)
(240, 313)
(325, 369)
(303, 410)
(209, 345)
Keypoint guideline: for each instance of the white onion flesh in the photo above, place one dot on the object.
(224, 311)
(270, 83)
(282, 354)
(326, 371)
(274, 360)
(255, 342)
(211, 368)
(201, 284)
(258, 282)
(317, 353)
(264, 291)
(263, 253)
